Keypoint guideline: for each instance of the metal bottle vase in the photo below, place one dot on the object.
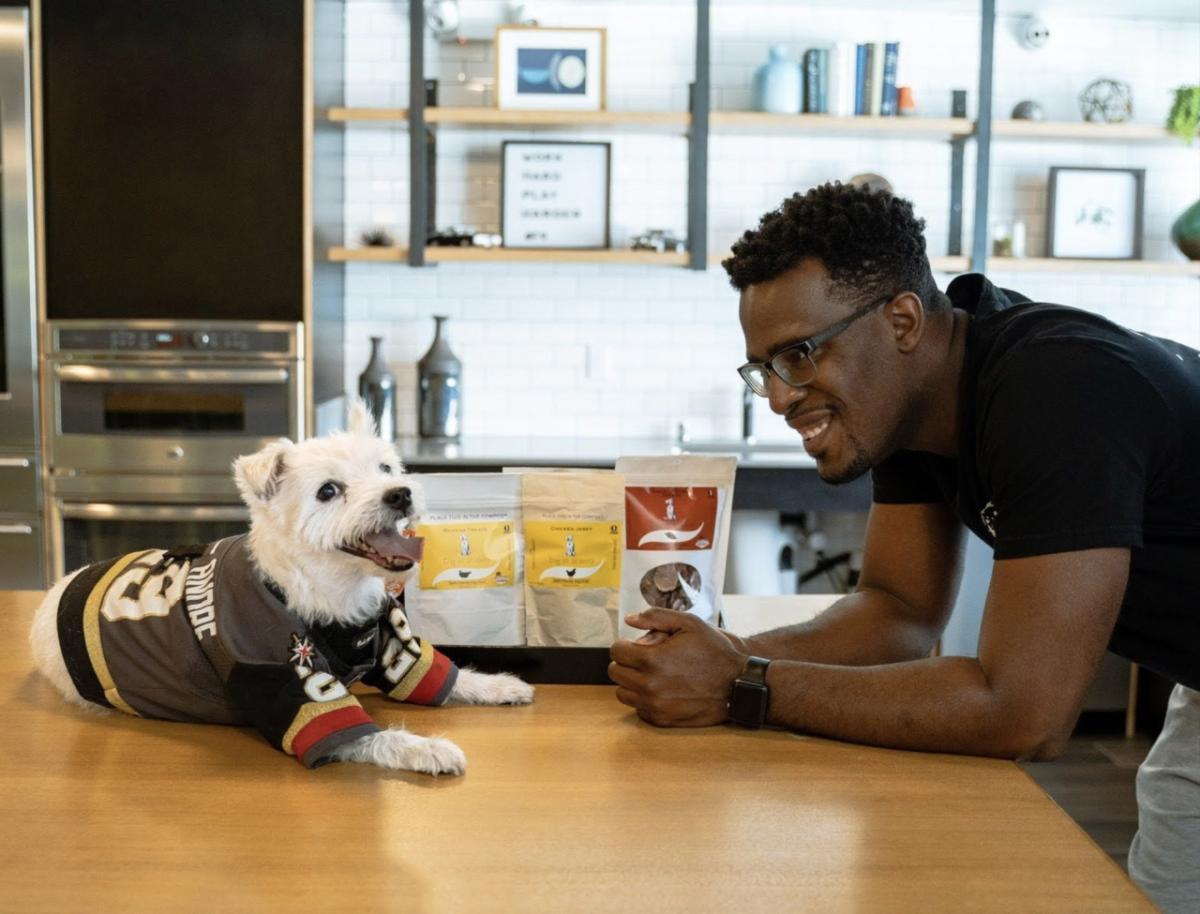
(377, 387)
(439, 389)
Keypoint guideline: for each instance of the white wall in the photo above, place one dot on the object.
(601, 351)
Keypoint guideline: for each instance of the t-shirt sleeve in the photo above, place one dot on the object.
(409, 669)
(905, 478)
(1067, 436)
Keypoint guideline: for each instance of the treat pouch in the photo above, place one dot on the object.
(468, 590)
(677, 511)
(573, 524)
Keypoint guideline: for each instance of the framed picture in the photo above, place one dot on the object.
(1095, 213)
(554, 194)
(549, 68)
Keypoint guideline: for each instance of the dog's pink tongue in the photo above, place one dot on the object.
(393, 545)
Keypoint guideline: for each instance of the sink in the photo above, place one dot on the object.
(739, 446)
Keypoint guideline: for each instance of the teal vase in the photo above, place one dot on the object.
(1186, 232)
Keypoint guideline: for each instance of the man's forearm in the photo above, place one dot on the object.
(861, 629)
(941, 704)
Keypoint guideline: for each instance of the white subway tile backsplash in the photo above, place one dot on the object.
(593, 350)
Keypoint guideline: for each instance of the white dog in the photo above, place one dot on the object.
(270, 628)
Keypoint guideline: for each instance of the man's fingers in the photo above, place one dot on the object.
(626, 697)
(660, 620)
(626, 676)
(628, 653)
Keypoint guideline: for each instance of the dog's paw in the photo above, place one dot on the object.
(476, 688)
(403, 751)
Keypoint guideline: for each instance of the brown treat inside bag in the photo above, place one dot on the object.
(660, 586)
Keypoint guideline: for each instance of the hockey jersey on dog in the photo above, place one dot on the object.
(195, 635)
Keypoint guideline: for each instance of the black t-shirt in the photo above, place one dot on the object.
(1076, 434)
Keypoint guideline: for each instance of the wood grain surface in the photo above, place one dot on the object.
(570, 804)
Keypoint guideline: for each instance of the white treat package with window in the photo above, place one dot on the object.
(572, 525)
(677, 511)
(469, 590)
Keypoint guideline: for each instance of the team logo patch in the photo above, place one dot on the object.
(302, 652)
(988, 517)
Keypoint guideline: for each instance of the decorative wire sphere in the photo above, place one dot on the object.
(1106, 101)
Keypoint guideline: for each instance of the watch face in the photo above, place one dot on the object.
(748, 704)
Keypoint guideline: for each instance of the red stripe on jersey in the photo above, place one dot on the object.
(329, 722)
(431, 683)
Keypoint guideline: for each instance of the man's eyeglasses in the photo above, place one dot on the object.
(794, 365)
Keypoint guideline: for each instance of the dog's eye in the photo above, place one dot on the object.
(386, 468)
(328, 490)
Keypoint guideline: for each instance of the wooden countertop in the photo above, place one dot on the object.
(568, 805)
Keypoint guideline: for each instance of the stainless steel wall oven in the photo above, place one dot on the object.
(145, 419)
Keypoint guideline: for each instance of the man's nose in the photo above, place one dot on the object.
(781, 396)
(398, 499)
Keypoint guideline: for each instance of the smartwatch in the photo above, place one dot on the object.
(748, 700)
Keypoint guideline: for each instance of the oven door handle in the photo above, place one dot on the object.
(103, 373)
(20, 529)
(109, 511)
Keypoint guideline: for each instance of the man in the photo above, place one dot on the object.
(1067, 443)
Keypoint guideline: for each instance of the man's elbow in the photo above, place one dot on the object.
(1033, 738)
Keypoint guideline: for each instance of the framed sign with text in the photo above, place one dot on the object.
(554, 194)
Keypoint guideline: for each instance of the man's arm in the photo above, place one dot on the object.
(1046, 624)
(911, 564)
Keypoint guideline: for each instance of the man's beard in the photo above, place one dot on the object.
(860, 464)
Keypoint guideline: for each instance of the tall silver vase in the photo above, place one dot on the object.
(377, 387)
(439, 389)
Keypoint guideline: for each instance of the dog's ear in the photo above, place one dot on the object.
(258, 475)
(359, 421)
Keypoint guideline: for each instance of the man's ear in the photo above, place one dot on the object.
(906, 315)
(359, 420)
(258, 475)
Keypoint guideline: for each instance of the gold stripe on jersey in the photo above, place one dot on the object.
(415, 674)
(91, 630)
(308, 713)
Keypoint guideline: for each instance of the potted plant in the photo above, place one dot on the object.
(1184, 122)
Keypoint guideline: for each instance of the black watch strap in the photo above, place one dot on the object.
(750, 696)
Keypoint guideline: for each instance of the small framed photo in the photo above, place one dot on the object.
(554, 194)
(549, 68)
(1095, 213)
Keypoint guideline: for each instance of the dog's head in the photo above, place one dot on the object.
(329, 501)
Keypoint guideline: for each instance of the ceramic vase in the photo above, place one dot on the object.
(439, 389)
(777, 83)
(1185, 232)
(377, 387)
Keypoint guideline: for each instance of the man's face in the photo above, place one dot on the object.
(851, 414)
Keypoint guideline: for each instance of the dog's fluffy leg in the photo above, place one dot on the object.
(474, 688)
(404, 751)
(47, 652)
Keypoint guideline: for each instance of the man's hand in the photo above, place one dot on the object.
(679, 674)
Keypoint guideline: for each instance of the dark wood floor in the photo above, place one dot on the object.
(1094, 783)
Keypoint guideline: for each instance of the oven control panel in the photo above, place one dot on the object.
(181, 341)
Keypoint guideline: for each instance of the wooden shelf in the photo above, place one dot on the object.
(1065, 265)
(495, 117)
(951, 264)
(511, 255)
(761, 122)
(1070, 130)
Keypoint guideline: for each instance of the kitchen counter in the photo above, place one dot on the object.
(775, 477)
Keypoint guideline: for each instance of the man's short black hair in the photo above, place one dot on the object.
(869, 241)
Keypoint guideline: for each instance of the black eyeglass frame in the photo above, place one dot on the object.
(809, 345)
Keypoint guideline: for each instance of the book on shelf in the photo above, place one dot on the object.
(860, 78)
(891, 54)
(876, 84)
(816, 75)
(841, 81)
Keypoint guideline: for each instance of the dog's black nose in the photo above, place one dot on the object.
(399, 499)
